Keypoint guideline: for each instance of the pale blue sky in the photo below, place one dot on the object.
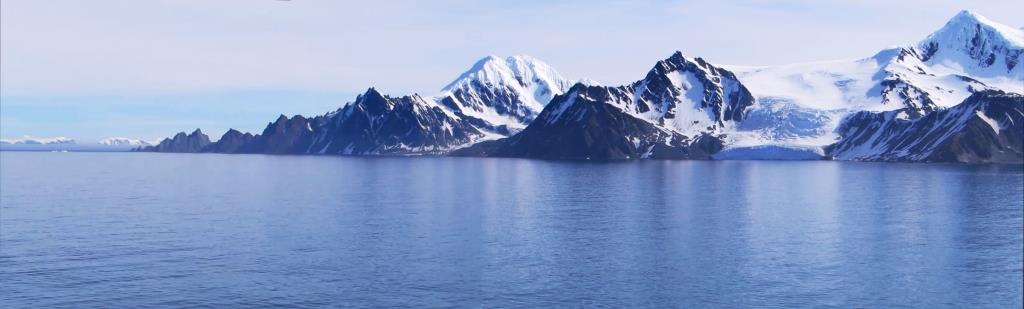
(146, 69)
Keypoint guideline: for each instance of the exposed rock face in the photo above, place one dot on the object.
(580, 125)
(988, 127)
(495, 98)
(379, 124)
(679, 80)
(181, 142)
(678, 111)
(896, 91)
(285, 136)
(591, 129)
(232, 141)
(938, 100)
(374, 124)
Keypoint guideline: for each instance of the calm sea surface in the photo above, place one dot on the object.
(132, 230)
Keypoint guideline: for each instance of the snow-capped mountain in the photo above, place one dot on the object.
(927, 101)
(659, 116)
(801, 106)
(28, 140)
(969, 53)
(689, 96)
(380, 124)
(987, 127)
(798, 111)
(507, 93)
(972, 44)
(493, 99)
(122, 141)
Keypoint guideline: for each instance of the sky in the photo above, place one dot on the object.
(148, 69)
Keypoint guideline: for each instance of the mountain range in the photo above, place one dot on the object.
(955, 96)
(28, 140)
(123, 141)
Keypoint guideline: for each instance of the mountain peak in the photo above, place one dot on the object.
(372, 95)
(374, 101)
(505, 91)
(678, 62)
(518, 69)
(372, 92)
(677, 56)
(979, 46)
(966, 26)
(967, 15)
(478, 68)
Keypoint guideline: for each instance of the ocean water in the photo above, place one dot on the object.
(173, 230)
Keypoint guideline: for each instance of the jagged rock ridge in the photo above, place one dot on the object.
(678, 111)
(988, 127)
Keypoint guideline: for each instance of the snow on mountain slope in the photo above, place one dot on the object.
(987, 127)
(685, 108)
(123, 141)
(689, 96)
(973, 44)
(948, 65)
(28, 140)
(494, 99)
(504, 91)
(379, 124)
(801, 105)
(678, 110)
(684, 95)
(583, 124)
